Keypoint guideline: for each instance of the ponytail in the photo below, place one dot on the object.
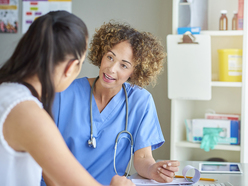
(48, 41)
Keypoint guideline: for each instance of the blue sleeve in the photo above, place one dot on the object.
(149, 132)
(42, 182)
(56, 107)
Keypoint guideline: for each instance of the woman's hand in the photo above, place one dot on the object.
(121, 181)
(164, 171)
(146, 166)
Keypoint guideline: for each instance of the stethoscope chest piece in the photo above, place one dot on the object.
(92, 142)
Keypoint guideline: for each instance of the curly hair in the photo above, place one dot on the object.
(148, 53)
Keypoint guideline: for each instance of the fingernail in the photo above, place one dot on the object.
(169, 164)
(159, 168)
(164, 165)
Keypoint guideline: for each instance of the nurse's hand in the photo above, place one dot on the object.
(164, 171)
(121, 181)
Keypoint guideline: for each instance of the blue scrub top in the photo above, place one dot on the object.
(71, 111)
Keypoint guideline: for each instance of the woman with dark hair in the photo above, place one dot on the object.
(47, 59)
(112, 117)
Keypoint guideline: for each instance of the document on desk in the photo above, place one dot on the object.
(176, 181)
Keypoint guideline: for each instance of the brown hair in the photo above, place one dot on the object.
(48, 41)
(147, 50)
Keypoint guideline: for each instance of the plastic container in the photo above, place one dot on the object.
(223, 23)
(230, 65)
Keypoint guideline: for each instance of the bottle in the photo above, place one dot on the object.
(235, 20)
(223, 20)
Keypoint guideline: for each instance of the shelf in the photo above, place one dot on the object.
(217, 147)
(225, 84)
(223, 33)
(227, 97)
(184, 3)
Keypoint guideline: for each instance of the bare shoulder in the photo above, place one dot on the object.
(24, 119)
(32, 130)
(27, 113)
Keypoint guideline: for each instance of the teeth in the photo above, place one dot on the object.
(108, 77)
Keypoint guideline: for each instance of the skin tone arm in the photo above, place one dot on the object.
(116, 181)
(146, 166)
(47, 180)
(29, 128)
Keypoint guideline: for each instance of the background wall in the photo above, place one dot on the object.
(144, 15)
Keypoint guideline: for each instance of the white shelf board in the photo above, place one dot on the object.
(217, 147)
(184, 3)
(223, 32)
(225, 84)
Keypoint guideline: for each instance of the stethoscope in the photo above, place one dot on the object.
(92, 140)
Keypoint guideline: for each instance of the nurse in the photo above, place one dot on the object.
(128, 61)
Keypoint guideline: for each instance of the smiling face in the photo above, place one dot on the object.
(116, 66)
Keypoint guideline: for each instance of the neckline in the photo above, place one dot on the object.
(109, 108)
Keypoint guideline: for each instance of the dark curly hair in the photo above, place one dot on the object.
(147, 50)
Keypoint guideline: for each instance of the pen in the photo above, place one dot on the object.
(203, 179)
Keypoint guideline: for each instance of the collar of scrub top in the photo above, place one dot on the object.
(92, 140)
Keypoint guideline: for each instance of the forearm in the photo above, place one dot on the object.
(142, 164)
(146, 166)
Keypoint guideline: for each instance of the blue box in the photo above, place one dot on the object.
(193, 30)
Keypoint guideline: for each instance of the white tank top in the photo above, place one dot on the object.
(16, 168)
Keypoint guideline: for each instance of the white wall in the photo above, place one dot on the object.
(154, 16)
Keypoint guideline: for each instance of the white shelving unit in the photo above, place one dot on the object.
(223, 33)
(227, 97)
(217, 147)
(226, 84)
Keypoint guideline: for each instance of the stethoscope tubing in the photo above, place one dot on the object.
(91, 142)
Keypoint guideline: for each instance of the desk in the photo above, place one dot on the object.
(235, 179)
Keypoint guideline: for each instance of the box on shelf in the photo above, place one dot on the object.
(193, 30)
(229, 135)
(240, 14)
(222, 116)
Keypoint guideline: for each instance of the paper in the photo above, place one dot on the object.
(176, 181)
(8, 16)
(32, 9)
